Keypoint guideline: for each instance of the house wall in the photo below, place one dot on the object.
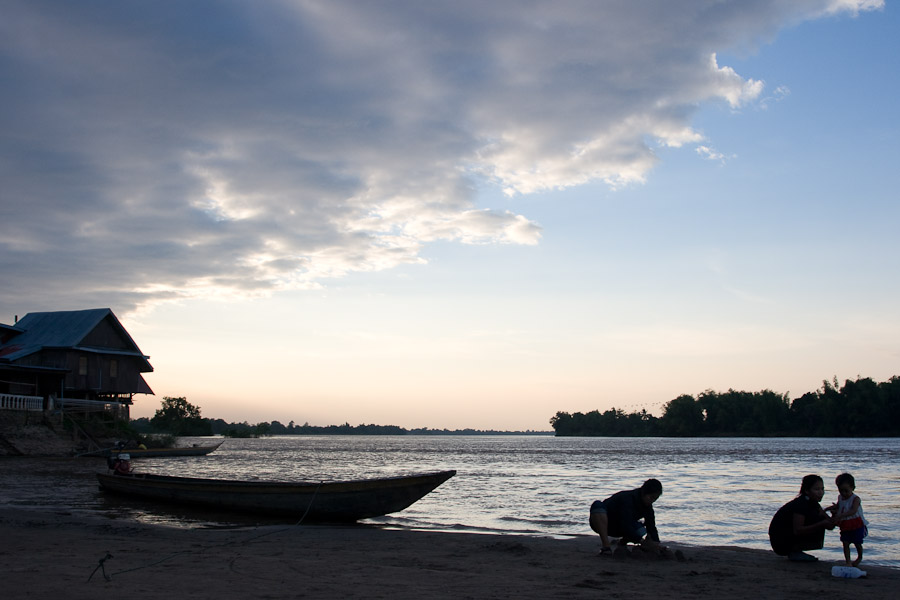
(13, 381)
(99, 376)
(21, 387)
(105, 335)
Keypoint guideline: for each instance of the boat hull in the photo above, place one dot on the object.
(178, 451)
(156, 452)
(341, 501)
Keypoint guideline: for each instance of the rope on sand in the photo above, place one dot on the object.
(109, 577)
(102, 568)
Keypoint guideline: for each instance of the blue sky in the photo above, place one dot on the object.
(458, 214)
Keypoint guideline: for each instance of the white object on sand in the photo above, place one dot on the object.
(847, 572)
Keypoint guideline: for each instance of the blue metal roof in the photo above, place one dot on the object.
(62, 329)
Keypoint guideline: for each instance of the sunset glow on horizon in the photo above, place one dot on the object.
(458, 215)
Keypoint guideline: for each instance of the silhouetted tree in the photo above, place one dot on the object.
(683, 417)
(179, 417)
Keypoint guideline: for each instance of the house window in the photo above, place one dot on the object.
(82, 365)
(113, 368)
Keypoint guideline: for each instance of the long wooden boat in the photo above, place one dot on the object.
(329, 502)
(157, 452)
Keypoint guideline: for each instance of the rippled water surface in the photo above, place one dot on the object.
(716, 491)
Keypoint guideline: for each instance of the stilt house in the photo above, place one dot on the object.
(70, 359)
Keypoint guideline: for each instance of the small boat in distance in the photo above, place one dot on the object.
(194, 450)
(321, 502)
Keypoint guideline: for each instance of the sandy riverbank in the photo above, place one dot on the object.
(57, 554)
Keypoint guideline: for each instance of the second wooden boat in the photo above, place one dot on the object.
(195, 450)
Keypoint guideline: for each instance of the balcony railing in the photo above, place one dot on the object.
(17, 402)
(66, 405)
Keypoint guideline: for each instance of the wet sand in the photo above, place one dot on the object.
(59, 554)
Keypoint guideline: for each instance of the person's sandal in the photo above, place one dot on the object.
(606, 550)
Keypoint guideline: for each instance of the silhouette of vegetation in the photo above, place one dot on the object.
(177, 416)
(180, 417)
(860, 408)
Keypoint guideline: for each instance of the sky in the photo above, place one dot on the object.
(458, 214)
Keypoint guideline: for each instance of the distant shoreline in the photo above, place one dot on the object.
(213, 426)
(410, 432)
(552, 434)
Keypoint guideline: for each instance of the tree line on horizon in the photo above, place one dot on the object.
(176, 416)
(860, 408)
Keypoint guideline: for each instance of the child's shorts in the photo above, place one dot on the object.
(854, 536)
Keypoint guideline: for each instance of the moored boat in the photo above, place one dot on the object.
(327, 501)
(195, 450)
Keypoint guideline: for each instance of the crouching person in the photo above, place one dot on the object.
(628, 515)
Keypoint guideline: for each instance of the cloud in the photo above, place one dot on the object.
(158, 151)
(712, 154)
(777, 95)
(852, 6)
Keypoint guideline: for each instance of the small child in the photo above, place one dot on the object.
(848, 514)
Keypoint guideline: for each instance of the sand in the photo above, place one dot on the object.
(58, 554)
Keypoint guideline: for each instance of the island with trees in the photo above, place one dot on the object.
(860, 408)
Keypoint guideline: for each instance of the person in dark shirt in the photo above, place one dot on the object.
(628, 515)
(801, 523)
